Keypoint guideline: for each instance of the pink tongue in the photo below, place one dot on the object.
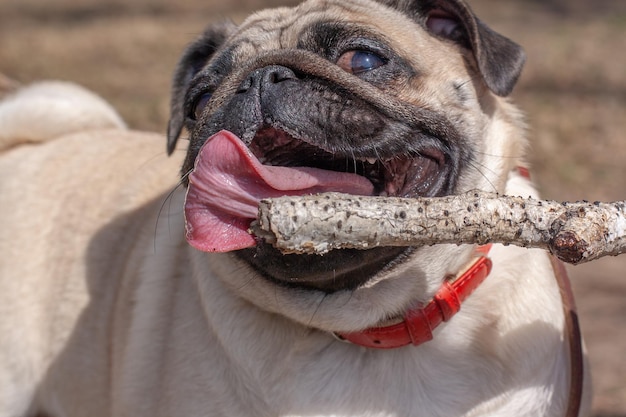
(228, 182)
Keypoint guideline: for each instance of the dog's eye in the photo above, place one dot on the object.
(199, 105)
(358, 62)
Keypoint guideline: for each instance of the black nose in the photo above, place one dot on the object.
(266, 77)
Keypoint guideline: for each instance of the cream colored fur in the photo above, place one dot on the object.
(47, 110)
(106, 311)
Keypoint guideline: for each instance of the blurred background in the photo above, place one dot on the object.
(573, 91)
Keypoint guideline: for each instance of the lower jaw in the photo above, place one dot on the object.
(340, 270)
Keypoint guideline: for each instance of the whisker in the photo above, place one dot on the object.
(481, 169)
(319, 305)
(168, 199)
(499, 156)
(245, 284)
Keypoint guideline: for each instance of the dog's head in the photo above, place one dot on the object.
(401, 98)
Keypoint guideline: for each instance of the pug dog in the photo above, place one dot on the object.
(125, 294)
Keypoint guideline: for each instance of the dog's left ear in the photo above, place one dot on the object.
(499, 59)
(193, 60)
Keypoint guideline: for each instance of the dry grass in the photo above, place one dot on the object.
(573, 89)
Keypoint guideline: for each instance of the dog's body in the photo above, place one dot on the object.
(106, 310)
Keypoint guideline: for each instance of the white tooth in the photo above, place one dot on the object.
(371, 160)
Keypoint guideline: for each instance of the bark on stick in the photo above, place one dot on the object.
(574, 232)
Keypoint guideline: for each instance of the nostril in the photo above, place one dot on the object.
(266, 76)
(277, 74)
(274, 78)
(245, 85)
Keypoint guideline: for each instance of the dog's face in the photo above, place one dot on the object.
(405, 94)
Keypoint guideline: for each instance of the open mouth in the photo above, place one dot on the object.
(230, 178)
(409, 174)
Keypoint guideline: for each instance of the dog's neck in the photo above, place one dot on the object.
(418, 323)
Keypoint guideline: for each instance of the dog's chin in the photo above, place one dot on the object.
(337, 270)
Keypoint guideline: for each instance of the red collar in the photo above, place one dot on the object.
(419, 323)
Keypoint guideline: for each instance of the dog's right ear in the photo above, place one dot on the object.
(193, 60)
(499, 59)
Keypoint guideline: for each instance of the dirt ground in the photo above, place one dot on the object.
(573, 90)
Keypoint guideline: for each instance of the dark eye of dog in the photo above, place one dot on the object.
(200, 104)
(357, 62)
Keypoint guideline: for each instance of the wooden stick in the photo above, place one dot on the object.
(574, 232)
